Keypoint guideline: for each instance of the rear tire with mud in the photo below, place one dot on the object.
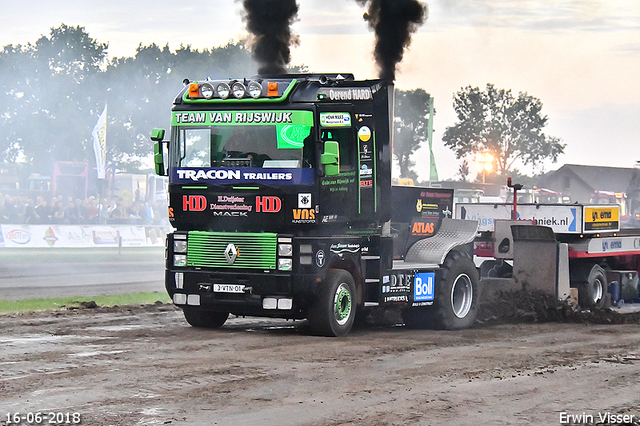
(334, 311)
(204, 319)
(456, 300)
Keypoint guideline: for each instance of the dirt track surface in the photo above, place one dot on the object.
(146, 366)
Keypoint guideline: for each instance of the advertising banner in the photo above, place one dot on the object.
(21, 236)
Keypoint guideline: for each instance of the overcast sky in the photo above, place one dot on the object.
(580, 57)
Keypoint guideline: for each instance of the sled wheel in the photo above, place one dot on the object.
(204, 319)
(334, 310)
(592, 292)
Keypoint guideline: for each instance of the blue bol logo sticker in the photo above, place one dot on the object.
(423, 287)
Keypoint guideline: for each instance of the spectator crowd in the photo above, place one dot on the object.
(67, 211)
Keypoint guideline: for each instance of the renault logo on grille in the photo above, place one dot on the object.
(231, 253)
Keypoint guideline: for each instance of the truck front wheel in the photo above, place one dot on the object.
(334, 310)
(204, 319)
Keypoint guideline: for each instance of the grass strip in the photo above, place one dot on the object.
(31, 305)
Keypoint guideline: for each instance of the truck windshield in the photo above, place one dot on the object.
(248, 145)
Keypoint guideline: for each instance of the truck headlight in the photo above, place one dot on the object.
(285, 250)
(285, 264)
(179, 246)
(179, 260)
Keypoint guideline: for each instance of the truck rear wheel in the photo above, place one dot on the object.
(204, 319)
(456, 300)
(333, 312)
(456, 304)
(592, 288)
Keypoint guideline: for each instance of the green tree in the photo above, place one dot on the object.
(411, 124)
(140, 90)
(509, 127)
(52, 92)
(47, 87)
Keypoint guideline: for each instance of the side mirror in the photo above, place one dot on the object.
(331, 158)
(157, 135)
(158, 159)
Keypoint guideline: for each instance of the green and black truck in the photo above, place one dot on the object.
(282, 204)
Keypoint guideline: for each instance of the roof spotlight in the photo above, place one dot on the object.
(255, 89)
(207, 90)
(239, 90)
(223, 90)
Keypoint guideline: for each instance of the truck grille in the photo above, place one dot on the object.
(254, 251)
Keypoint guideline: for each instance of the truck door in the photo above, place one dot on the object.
(339, 192)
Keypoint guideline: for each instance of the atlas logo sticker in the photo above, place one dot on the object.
(423, 286)
(268, 204)
(320, 258)
(231, 253)
(193, 203)
(423, 228)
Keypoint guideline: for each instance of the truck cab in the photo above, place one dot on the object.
(281, 199)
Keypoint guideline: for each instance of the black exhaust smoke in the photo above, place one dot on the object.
(393, 22)
(269, 21)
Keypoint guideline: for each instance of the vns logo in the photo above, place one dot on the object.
(193, 203)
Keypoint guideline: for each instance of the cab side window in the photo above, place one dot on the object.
(345, 139)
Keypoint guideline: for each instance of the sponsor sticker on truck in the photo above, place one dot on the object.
(562, 218)
(423, 286)
(602, 218)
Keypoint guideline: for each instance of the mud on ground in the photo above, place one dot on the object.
(146, 366)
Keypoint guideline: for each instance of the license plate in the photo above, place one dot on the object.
(228, 288)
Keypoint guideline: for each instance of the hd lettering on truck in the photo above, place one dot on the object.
(193, 203)
(268, 204)
(283, 206)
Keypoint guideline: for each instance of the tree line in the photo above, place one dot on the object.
(52, 92)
